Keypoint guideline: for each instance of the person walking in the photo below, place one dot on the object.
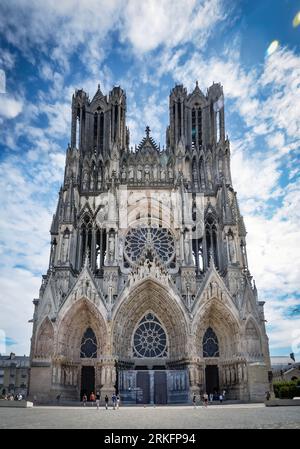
(194, 400)
(92, 398)
(224, 394)
(221, 398)
(58, 398)
(97, 399)
(106, 402)
(114, 400)
(211, 397)
(84, 400)
(118, 401)
(205, 397)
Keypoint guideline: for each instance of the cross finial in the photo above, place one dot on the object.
(147, 131)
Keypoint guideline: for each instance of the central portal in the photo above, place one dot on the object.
(153, 386)
(143, 387)
(160, 387)
(87, 381)
(212, 379)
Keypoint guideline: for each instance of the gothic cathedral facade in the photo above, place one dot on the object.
(148, 291)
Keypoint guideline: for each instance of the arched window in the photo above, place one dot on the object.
(150, 339)
(211, 238)
(86, 238)
(116, 107)
(88, 348)
(179, 120)
(210, 344)
(95, 129)
(196, 126)
(199, 127)
(193, 127)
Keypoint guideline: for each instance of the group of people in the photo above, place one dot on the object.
(205, 398)
(11, 397)
(95, 398)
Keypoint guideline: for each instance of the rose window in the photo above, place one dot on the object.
(149, 339)
(159, 239)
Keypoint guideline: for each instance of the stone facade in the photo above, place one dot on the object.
(148, 289)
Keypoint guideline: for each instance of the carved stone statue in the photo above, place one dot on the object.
(131, 173)
(187, 248)
(65, 247)
(147, 173)
(85, 181)
(111, 246)
(123, 175)
(231, 247)
(99, 180)
(154, 172)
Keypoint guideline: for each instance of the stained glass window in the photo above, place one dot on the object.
(88, 348)
(160, 239)
(210, 344)
(150, 339)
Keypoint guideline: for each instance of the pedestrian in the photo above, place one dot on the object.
(106, 402)
(221, 398)
(211, 397)
(92, 398)
(205, 397)
(224, 394)
(97, 399)
(268, 395)
(118, 401)
(58, 398)
(194, 400)
(114, 400)
(84, 399)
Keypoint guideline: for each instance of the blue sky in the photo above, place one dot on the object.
(50, 48)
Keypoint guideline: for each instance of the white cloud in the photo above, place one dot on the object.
(152, 23)
(10, 107)
(18, 288)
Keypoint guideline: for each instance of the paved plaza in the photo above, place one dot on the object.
(181, 417)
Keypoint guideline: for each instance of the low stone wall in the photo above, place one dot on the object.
(280, 402)
(17, 404)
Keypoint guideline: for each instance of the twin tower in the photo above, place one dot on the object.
(148, 291)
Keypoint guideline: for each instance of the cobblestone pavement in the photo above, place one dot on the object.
(180, 417)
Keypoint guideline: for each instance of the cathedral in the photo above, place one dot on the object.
(148, 292)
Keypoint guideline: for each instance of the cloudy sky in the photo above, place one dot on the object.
(48, 48)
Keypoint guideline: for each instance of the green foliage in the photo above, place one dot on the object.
(287, 389)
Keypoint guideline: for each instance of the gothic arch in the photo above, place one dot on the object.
(215, 314)
(149, 296)
(253, 346)
(72, 326)
(45, 339)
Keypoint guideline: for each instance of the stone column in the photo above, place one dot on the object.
(151, 379)
(108, 379)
